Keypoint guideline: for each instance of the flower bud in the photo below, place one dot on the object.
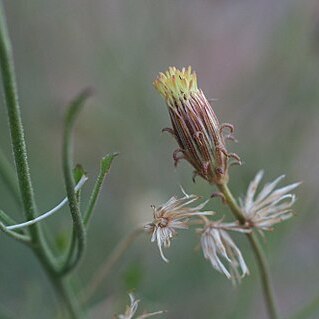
(195, 125)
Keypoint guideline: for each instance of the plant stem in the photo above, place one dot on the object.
(22, 238)
(105, 166)
(110, 262)
(308, 310)
(260, 257)
(39, 246)
(15, 123)
(61, 287)
(78, 225)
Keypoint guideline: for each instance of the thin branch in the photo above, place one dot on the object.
(260, 257)
(78, 225)
(105, 269)
(50, 212)
(310, 309)
(104, 169)
(39, 246)
(22, 238)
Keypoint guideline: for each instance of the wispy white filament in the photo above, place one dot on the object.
(50, 212)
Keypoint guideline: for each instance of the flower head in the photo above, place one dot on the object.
(218, 247)
(195, 125)
(270, 206)
(172, 215)
(132, 308)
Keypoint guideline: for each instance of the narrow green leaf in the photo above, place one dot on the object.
(18, 236)
(78, 172)
(7, 220)
(105, 166)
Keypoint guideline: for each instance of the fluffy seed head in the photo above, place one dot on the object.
(173, 215)
(219, 248)
(271, 206)
(132, 308)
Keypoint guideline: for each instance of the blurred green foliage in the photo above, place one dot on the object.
(259, 58)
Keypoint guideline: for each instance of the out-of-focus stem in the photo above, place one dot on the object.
(110, 262)
(62, 288)
(259, 255)
(308, 310)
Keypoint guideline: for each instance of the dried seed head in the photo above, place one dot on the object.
(195, 125)
(218, 247)
(173, 215)
(132, 308)
(270, 206)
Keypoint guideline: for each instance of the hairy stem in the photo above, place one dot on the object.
(15, 124)
(110, 262)
(104, 169)
(78, 225)
(39, 246)
(259, 255)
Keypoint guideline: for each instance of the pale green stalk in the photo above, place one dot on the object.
(104, 169)
(22, 238)
(39, 246)
(309, 310)
(104, 270)
(78, 225)
(260, 257)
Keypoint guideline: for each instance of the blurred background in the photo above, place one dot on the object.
(260, 59)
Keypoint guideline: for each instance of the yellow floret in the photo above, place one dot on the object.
(176, 84)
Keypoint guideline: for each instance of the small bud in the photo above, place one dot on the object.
(195, 125)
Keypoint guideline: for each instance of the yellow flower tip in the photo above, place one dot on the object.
(176, 84)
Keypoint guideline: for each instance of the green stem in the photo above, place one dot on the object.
(308, 310)
(110, 262)
(7, 221)
(78, 225)
(104, 169)
(17, 134)
(68, 264)
(260, 257)
(61, 287)
(15, 123)
(22, 238)
(39, 246)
